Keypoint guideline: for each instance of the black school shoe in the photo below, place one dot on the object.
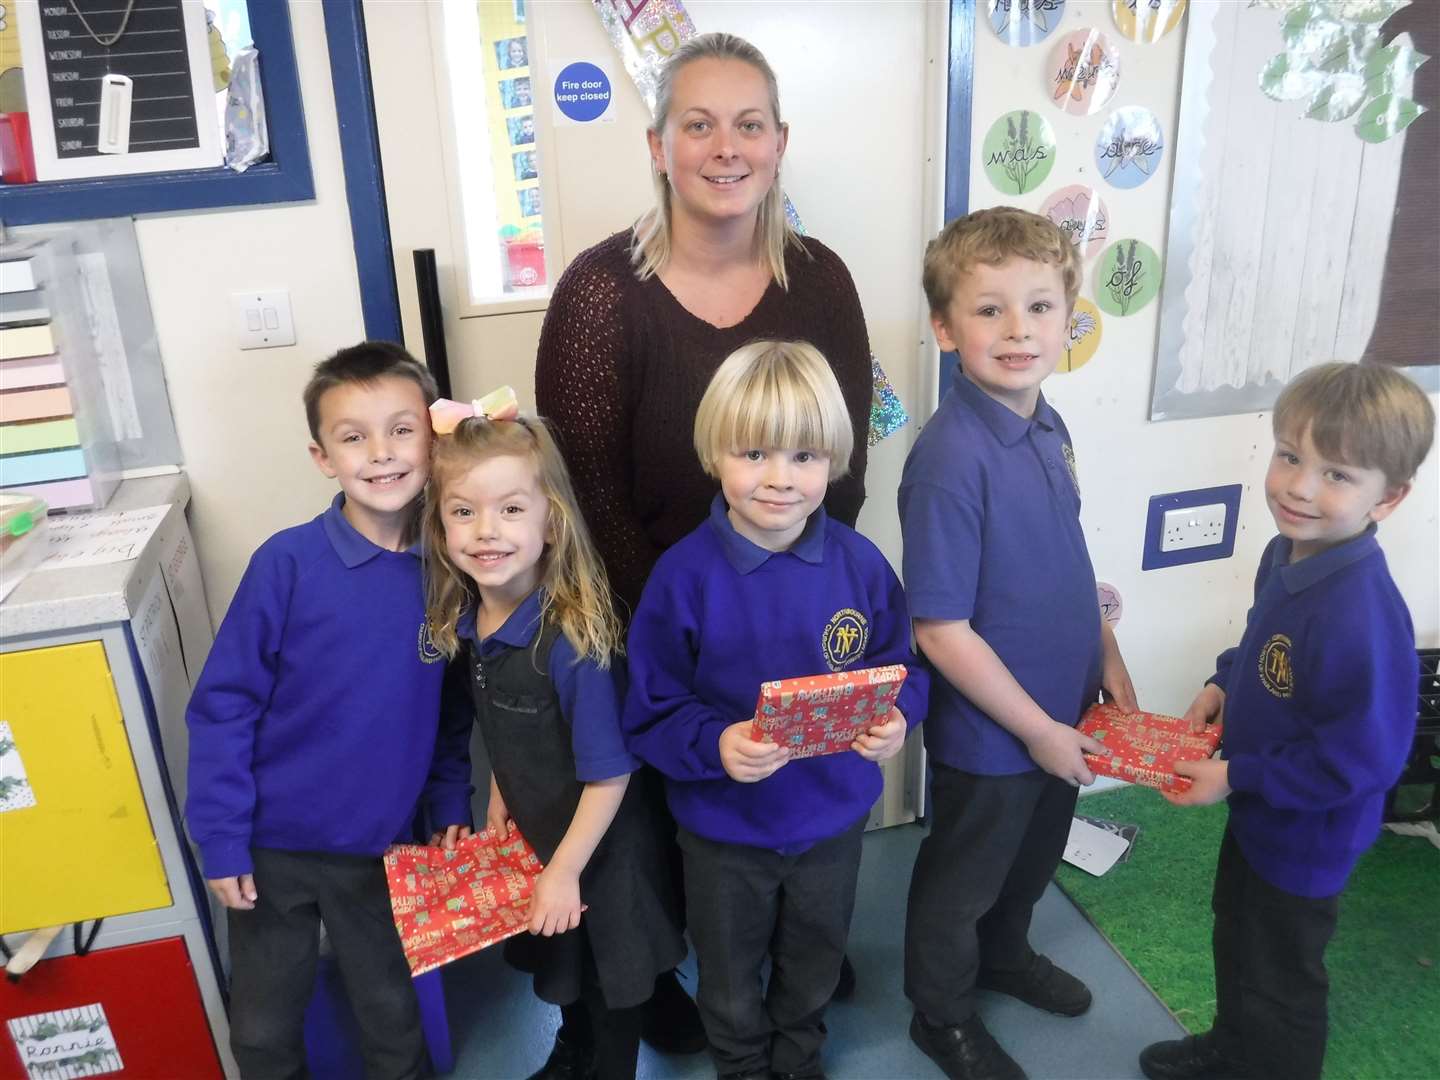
(964, 1051)
(567, 1061)
(671, 1022)
(1195, 1057)
(1042, 985)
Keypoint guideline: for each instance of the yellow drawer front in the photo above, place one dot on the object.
(78, 844)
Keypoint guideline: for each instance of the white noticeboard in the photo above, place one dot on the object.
(162, 48)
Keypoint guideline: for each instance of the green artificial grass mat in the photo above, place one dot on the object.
(1384, 960)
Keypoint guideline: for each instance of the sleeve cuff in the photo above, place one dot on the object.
(1244, 773)
(592, 770)
(707, 745)
(228, 857)
(449, 810)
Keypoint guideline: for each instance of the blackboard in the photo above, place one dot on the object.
(152, 52)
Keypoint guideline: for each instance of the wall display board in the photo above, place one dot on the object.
(117, 86)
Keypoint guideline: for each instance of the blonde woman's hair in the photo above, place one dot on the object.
(650, 251)
(993, 236)
(1365, 415)
(774, 395)
(575, 592)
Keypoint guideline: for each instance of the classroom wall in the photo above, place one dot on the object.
(1177, 619)
(238, 414)
(859, 156)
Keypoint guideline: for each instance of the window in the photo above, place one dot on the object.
(487, 56)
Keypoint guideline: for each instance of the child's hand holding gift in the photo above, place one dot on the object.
(883, 741)
(746, 760)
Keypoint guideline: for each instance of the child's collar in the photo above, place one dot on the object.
(745, 555)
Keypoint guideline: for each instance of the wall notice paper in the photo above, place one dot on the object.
(15, 790)
(95, 539)
(68, 1042)
(1093, 849)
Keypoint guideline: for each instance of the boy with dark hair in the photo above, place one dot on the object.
(314, 730)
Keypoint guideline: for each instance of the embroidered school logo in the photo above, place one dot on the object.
(429, 654)
(1276, 674)
(1069, 454)
(845, 637)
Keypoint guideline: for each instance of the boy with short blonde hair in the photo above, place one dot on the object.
(1003, 596)
(768, 588)
(1319, 707)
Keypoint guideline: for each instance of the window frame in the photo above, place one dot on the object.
(286, 177)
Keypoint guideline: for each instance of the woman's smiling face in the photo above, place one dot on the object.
(721, 144)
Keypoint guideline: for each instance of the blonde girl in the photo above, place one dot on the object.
(513, 584)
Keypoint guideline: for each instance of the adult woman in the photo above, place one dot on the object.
(639, 323)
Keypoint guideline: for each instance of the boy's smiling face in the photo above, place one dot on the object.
(375, 440)
(1318, 503)
(1009, 324)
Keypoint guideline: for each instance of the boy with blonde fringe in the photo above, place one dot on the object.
(1319, 707)
(768, 588)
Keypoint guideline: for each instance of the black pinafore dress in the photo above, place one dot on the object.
(631, 928)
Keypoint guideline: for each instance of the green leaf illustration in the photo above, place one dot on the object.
(1287, 77)
(1338, 99)
(1386, 116)
(1389, 68)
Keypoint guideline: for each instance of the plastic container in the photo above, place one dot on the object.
(23, 538)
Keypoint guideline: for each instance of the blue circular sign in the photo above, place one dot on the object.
(582, 91)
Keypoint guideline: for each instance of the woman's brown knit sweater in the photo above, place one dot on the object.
(620, 372)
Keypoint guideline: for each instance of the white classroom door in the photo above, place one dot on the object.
(862, 87)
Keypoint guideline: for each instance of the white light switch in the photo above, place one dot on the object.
(263, 319)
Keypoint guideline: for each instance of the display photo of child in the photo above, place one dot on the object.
(515, 93)
(529, 202)
(512, 53)
(522, 130)
(525, 167)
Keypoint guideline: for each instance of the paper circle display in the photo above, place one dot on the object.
(1024, 22)
(1084, 69)
(1083, 215)
(1127, 277)
(1147, 20)
(1110, 606)
(1019, 152)
(1129, 147)
(1083, 338)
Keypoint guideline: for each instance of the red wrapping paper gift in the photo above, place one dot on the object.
(1143, 747)
(449, 904)
(823, 714)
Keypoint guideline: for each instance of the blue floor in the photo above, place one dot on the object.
(501, 1031)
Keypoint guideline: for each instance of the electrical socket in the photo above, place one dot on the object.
(1193, 527)
(1190, 526)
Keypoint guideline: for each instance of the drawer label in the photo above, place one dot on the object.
(66, 1043)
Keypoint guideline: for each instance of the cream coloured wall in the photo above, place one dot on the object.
(238, 414)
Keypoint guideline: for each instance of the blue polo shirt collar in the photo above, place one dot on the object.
(1296, 577)
(354, 550)
(745, 555)
(1007, 426)
(516, 632)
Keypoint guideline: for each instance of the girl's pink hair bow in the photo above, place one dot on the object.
(500, 404)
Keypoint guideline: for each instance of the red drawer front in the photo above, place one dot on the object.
(149, 996)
